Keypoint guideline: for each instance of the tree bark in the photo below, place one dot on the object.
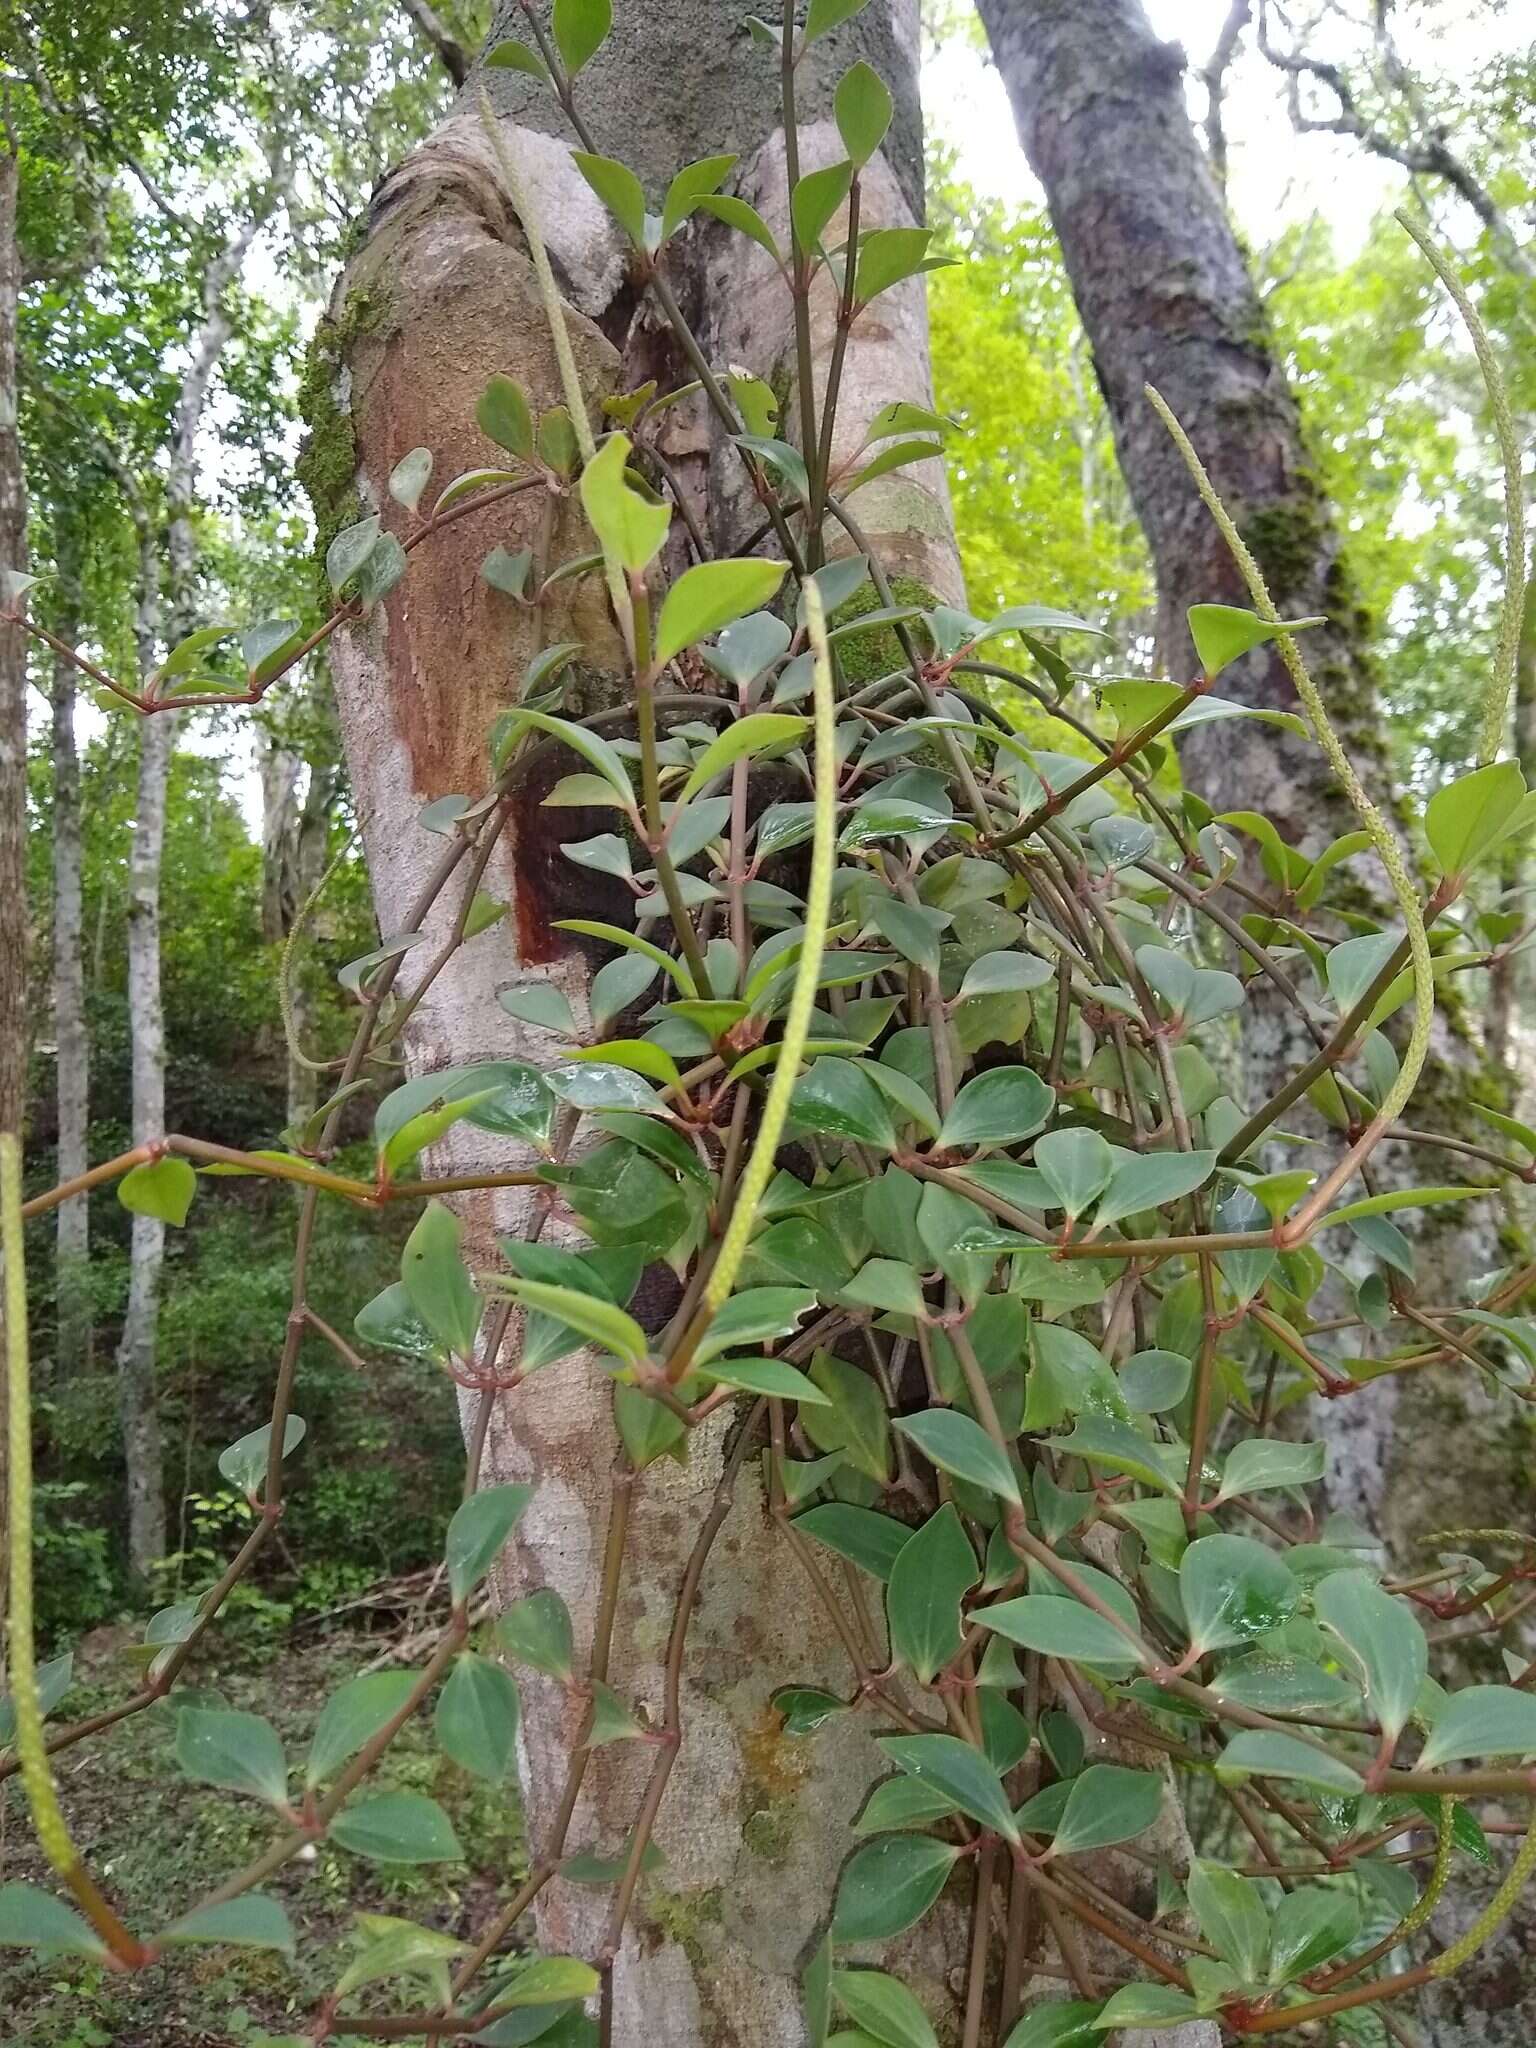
(72, 1054)
(137, 1393)
(1166, 298)
(440, 297)
(13, 684)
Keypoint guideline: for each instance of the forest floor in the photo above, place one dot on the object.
(157, 1842)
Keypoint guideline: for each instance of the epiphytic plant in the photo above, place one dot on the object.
(1002, 1281)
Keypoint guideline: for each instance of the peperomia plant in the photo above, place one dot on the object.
(918, 1065)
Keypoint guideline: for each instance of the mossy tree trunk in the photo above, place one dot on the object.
(1166, 298)
(440, 296)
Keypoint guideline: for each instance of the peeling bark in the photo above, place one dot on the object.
(441, 296)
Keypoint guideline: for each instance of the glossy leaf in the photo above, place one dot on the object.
(478, 1533)
(956, 1444)
(477, 1718)
(962, 1774)
(888, 1885)
(932, 1573)
(1379, 1637)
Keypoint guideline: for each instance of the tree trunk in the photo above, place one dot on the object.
(440, 297)
(73, 1316)
(1166, 299)
(13, 685)
(137, 1393)
(13, 720)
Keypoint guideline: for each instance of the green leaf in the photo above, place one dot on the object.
(755, 1316)
(863, 109)
(961, 1773)
(596, 1320)
(408, 479)
(1484, 1720)
(397, 1827)
(888, 1885)
(628, 525)
(803, 1709)
(478, 1534)
(815, 199)
(53, 1681)
(249, 1922)
(882, 2008)
(1003, 974)
(353, 1716)
(537, 1630)
(511, 55)
(1233, 1590)
(1221, 633)
(1401, 1198)
(836, 1100)
(902, 1803)
(822, 16)
(1060, 1628)
(1152, 1382)
(872, 1542)
(395, 1948)
(1067, 2023)
(30, 1918)
(1078, 1166)
(1380, 1637)
(1267, 1754)
(856, 1423)
(1260, 1463)
(932, 1574)
(1107, 1804)
(736, 213)
(1150, 1180)
(768, 1376)
(348, 553)
(580, 30)
(887, 256)
(477, 1718)
(390, 1323)
(887, 1284)
(502, 414)
(1309, 1928)
(755, 734)
(955, 1443)
(816, 1989)
(1233, 1918)
(999, 1107)
(1467, 818)
(705, 598)
(1118, 1446)
(692, 185)
(244, 1462)
(1146, 2005)
(238, 1752)
(548, 1980)
(437, 1281)
(164, 1189)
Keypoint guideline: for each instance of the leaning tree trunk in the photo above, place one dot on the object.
(1167, 299)
(72, 1243)
(442, 296)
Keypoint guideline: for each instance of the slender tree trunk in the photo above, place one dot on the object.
(440, 297)
(72, 1042)
(13, 685)
(136, 1355)
(1509, 996)
(137, 1393)
(294, 834)
(13, 721)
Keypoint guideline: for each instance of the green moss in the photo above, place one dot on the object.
(1286, 537)
(769, 1834)
(327, 465)
(865, 657)
(684, 1916)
